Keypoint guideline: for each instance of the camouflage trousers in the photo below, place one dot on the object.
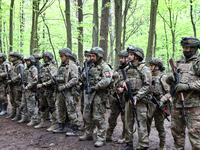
(47, 105)
(64, 108)
(95, 115)
(130, 120)
(28, 105)
(115, 111)
(3, 94)
(15, 99)
(178, 127)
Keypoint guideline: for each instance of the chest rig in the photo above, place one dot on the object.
(1, 71)
(62, 76)
(44, 75)
(27, 75)
(14, 71)
(157, 87)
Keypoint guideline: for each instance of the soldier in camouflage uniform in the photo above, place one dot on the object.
(3, 80)
(28, 103)
(160, 89)
(47, 92)
(67, 77)
(189, 73)
(100, 76)
(139, 77)
(37, 60)
(115, 106)
(16, 94)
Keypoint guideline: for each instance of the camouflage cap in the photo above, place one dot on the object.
(65, 51)
(87, 52)
(37, 56)
(123, 53)
(15, 54)
(31, 58)
(98, 51)
(190, 41)
(158, 62)
(3, 55)
(48, 54)
(136, 50)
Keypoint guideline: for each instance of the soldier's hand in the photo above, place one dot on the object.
(19, 76)
(26, 88)
(93, 88)
(181, 87)
(8, 82)
(61, 88)
(161, 104)
(120, 90)
(124, 85)
(39, 86)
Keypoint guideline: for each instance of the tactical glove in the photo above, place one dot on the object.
(8, 82)
(181, 87)
(161, 104)
(93, 88)
(61, 88)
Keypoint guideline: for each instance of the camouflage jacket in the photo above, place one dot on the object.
(15, 71)
(3, 72)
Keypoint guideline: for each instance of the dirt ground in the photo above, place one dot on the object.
(16, 136)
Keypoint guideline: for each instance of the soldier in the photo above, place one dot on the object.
(160, 91)
(67, 77)
(15, 92)
(3, 80)
(139, 77)
(100, 76)
(37, 60)
(28, 98)
(115, 106)
(47, 92)
(189, 74)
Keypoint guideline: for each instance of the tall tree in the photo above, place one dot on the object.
(80, 30)
(104, 27)
(153, 14)
(11, 27)
(96, 24)
(1, 46)
(68, 21)
(22, 24)
(192, 20)
(118, 29)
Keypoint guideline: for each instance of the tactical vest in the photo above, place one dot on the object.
(1, 71)
(44, 73)
(28, 76)
(14, 68)
(62, 74)
(157, 87)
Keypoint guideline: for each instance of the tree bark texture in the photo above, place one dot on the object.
(80, 30)
(68, 21)
(96, 24)
(1, 33)
(192, 20)
(22, 24)
(11, 27)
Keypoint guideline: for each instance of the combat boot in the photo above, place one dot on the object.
(99, 143)
(16, 118)
(23, 120)
(109, 136)
(4, 109)
(128, 147)
(12, 115)
(74, 131)
(42, 124)
(51, 128)
(60, 129)
(86, 137)
(32, 123)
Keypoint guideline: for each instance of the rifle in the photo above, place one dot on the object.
(154, 100)
(57, 85)
(88, 83)
(9, 78)
(130, 95)
(23, 85)
(38, 82)
(177, 80)
(118, 99)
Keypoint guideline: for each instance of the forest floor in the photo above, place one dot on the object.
(16, 136)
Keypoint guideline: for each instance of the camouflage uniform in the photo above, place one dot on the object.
(190, 86)
(15, 99)
(100, 75)
(160, 89)
(28, 98)
(47, 92)
(140, 78)
(67, 77)
(3, 80)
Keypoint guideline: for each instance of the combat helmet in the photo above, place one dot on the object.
(98, 51)
(158, 62)
(65, 51)
(31, 58)
(15, 54)
(48, 54)
(87, 52)
(37, 56)
(136, 50)
(4, 56)
(123, 53)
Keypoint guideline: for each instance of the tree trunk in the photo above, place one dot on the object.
(1, 46)
(192, 21)
(22, 23)
(118, 29)
(155, 44)
(153, 14)
(68, 21)
(96, 24)
(11, 27)
(104, 28)
(80, 30)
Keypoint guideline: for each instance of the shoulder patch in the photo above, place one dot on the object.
(107, 74)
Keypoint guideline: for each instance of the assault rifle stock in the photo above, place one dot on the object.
(177, 80)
